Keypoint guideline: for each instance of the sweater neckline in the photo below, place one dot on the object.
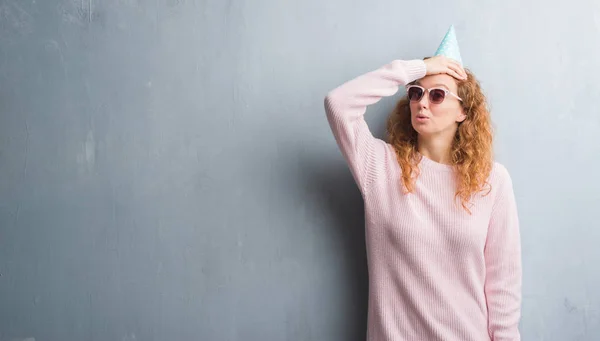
(427, 163)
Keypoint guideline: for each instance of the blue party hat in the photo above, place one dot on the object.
(449, 46)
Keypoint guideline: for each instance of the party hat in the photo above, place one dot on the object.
(449, 46)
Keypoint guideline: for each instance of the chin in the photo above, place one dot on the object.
(421, 128)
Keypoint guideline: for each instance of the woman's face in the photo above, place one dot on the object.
(430, 119)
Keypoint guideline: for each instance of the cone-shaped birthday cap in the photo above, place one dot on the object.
(449, 46)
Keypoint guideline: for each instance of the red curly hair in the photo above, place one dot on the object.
(471, 152)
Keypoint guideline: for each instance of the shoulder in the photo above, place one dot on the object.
(500, 179)
(499, 172)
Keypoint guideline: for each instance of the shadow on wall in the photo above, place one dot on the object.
(335, 195)
(329, 182)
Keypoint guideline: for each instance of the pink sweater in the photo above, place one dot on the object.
(435, 272)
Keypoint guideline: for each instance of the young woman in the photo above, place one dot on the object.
(442, 232)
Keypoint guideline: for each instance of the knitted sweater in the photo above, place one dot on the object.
(436, 272)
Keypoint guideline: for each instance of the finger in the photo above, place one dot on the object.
(454, 62)
(456, 69)
(454, 74)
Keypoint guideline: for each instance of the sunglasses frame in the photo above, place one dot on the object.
(446, 92)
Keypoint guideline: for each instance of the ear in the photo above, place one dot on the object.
(461, 117)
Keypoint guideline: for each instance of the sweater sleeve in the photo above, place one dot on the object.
(346, 105)
(503, 265)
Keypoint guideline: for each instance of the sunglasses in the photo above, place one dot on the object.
(436, 95)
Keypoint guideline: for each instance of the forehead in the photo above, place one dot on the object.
(442, 80)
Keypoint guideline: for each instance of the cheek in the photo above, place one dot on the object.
(444, 115)
(414, 107)
(445, 111)
(441, 112)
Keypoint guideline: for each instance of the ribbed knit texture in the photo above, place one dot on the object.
(435, 271)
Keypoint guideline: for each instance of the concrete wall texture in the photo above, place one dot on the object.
(167, 172)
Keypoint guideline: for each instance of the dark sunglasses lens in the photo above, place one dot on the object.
(415, 94)
(437, 96)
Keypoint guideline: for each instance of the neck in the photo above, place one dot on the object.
(436, 148)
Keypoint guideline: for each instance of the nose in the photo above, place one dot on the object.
(424, 102)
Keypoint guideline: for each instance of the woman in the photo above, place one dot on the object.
(442, 231)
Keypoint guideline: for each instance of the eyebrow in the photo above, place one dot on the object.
(434, 85)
